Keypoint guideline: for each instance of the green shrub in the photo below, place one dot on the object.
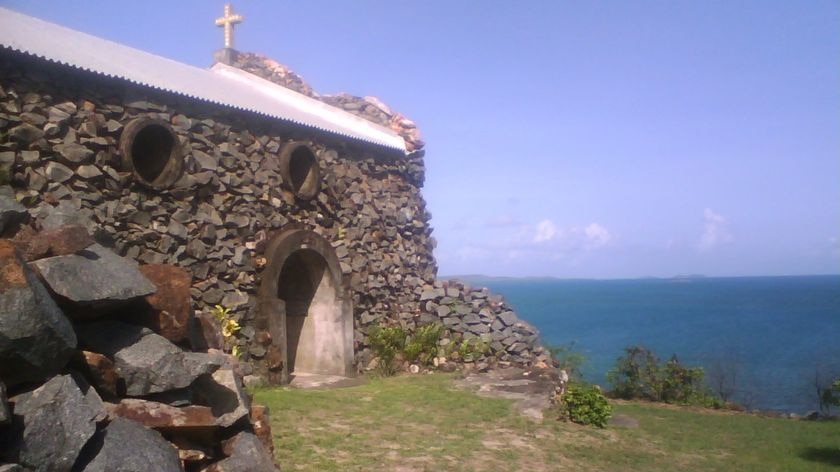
(569, 359)
(829, 396)
(471, 349)
(422, 345)
(682, 384)
(636, 375)
(586, 404)
(386, 342)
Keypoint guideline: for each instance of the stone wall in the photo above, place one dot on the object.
(59, 146)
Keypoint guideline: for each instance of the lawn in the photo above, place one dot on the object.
(419, 423)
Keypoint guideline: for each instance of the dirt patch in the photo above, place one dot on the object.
(624, 421)
(530, 389)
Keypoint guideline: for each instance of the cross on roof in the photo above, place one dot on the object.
(227, 21)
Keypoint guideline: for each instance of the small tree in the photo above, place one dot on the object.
(826, 389)
(636, 375)
(830, 396)
(723, 374)
(680, 383)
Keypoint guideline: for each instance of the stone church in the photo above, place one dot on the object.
(301, 215)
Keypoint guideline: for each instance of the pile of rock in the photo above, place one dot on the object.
(372, 109)
(477, 316)
(96, 373)
(369, 108)
(272, 70)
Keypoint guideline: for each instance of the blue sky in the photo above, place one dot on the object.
(574, 139)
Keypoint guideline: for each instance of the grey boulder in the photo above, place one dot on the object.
(36, 339)
(245, 454)
(53, 423)
(145, 361)
(224, 393)
(128, 446)
(94, 276)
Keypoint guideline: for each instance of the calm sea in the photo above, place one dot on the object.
(773, 335)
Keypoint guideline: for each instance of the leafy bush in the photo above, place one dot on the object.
(471, 349)
(830, 396)
(682, 384)
(586, 404)
(636, 375)
(639, 375)
(568, 358)
(422, 345)
(386, 342)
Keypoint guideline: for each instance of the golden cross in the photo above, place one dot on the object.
(227, 21)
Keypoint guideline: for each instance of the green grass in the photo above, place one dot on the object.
(419, 423)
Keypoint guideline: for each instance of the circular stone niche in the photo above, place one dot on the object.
(151, 150)
(299, 168)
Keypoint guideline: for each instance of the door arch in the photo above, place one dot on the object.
(305, 306)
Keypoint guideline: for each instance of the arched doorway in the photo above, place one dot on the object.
(305, 308)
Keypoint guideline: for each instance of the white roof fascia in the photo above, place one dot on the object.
(315, 110)
(223, 85)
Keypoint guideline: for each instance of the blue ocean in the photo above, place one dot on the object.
(770, 338)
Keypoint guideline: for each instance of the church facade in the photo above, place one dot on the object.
(301, 221)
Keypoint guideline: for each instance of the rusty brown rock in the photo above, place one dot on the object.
(60, 241)
(164, 417)
(205, 332)
(170, 306)
(99, 370)
(189, 451)
(262, 426)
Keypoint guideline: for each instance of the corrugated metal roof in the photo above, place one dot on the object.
(222, 85)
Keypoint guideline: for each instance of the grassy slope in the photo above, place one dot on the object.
(417, 423)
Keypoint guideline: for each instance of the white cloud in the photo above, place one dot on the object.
(715, 231)
(546, 231)
(597, 235)
(592, 236)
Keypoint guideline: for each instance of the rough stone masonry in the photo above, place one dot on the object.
(61, 151)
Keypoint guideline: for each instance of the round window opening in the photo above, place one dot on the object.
(299, 167)
(151, 150)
